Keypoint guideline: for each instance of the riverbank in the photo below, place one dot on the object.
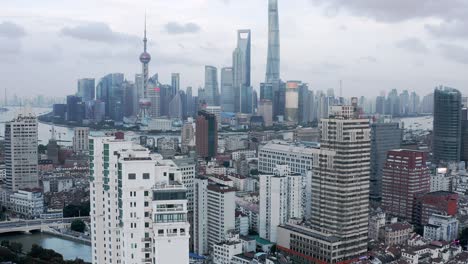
(51, 231)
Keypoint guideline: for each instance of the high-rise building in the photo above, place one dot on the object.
(200, 216)
(86, 89)
(21, 157)
(206, 135)
(81, 139)
(385, 136)
(187, 137)
(265, 109)
(138, 206)
(176, 106)
(109, 90)
(241, 68)
(292, 101)
(338, 225)
(175, 83)
(464, 136)
(280, 200)
(221, 210)
(75, 109)
(405, 175)
(447, 125)
(427, 105)
(211, 85)
(227, 90)
(130, 99)
(273, 58)
(190, 102)
(158, 97)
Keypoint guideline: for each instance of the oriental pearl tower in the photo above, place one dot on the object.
(144, 102)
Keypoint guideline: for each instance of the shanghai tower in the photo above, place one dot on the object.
(273, 60)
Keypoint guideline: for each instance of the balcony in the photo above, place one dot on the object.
(146, 260)
(146, 239)
(147, 250)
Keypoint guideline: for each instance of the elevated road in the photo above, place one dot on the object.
(37, 224)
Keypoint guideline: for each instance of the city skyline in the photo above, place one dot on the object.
(412, 45)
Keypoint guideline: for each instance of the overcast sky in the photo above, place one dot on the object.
(372, 45)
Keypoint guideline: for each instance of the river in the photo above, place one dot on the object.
(70, 250)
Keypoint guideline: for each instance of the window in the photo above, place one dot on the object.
(132, 176)
(146, 193)
(146, 176)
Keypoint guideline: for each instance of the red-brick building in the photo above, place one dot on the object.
(440, 202)
(405, 175)
(206, 135)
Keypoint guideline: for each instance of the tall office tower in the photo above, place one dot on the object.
(414, 103)
(385, 136)
(380, 105)
(211, 85)
(189, 101)
(138, 205)
(159, 98)
(228, 101)
(464, 136)
(405, 102)
(241, 68)
(206, 135)
(109, 91)
(340, 187)
(175, 83)
(392, 105)
(75, 109)
(144, 102)
(292, 101)
(427, 104)
(130, 99)
(200, 216)
(265, 109)
(273, 59)
(21, 152)
(280, 200)
(86, 89)
(446, 141)
(304, 104)
(81, 139)
(405, 175)
(176, 106)
(247, 103)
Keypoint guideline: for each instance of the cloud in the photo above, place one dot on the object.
(449, 29)
(412, 45)
(397, 10)
(175, 28)
(11, 30)
(97, 31)
(371, 59)
(454, 53)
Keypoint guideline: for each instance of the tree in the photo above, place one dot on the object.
(72, 210)
(78, 226)
(41, 149)
(464, 237)
(16, 247)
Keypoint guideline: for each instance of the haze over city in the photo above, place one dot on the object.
(371, 46)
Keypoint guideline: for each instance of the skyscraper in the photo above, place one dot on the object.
(338, 226)
(206, 135)
(144, 102)
(292, 101)
(273, 59)
(384, 137)
(447, 125)
(227, 90)
(86, 89)
(241, 67)
(405, 176)
(21, 157)
(211, 85)
(109, 90)
(175, 83)
(464, 136)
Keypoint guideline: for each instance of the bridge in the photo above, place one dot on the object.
(37, 224)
